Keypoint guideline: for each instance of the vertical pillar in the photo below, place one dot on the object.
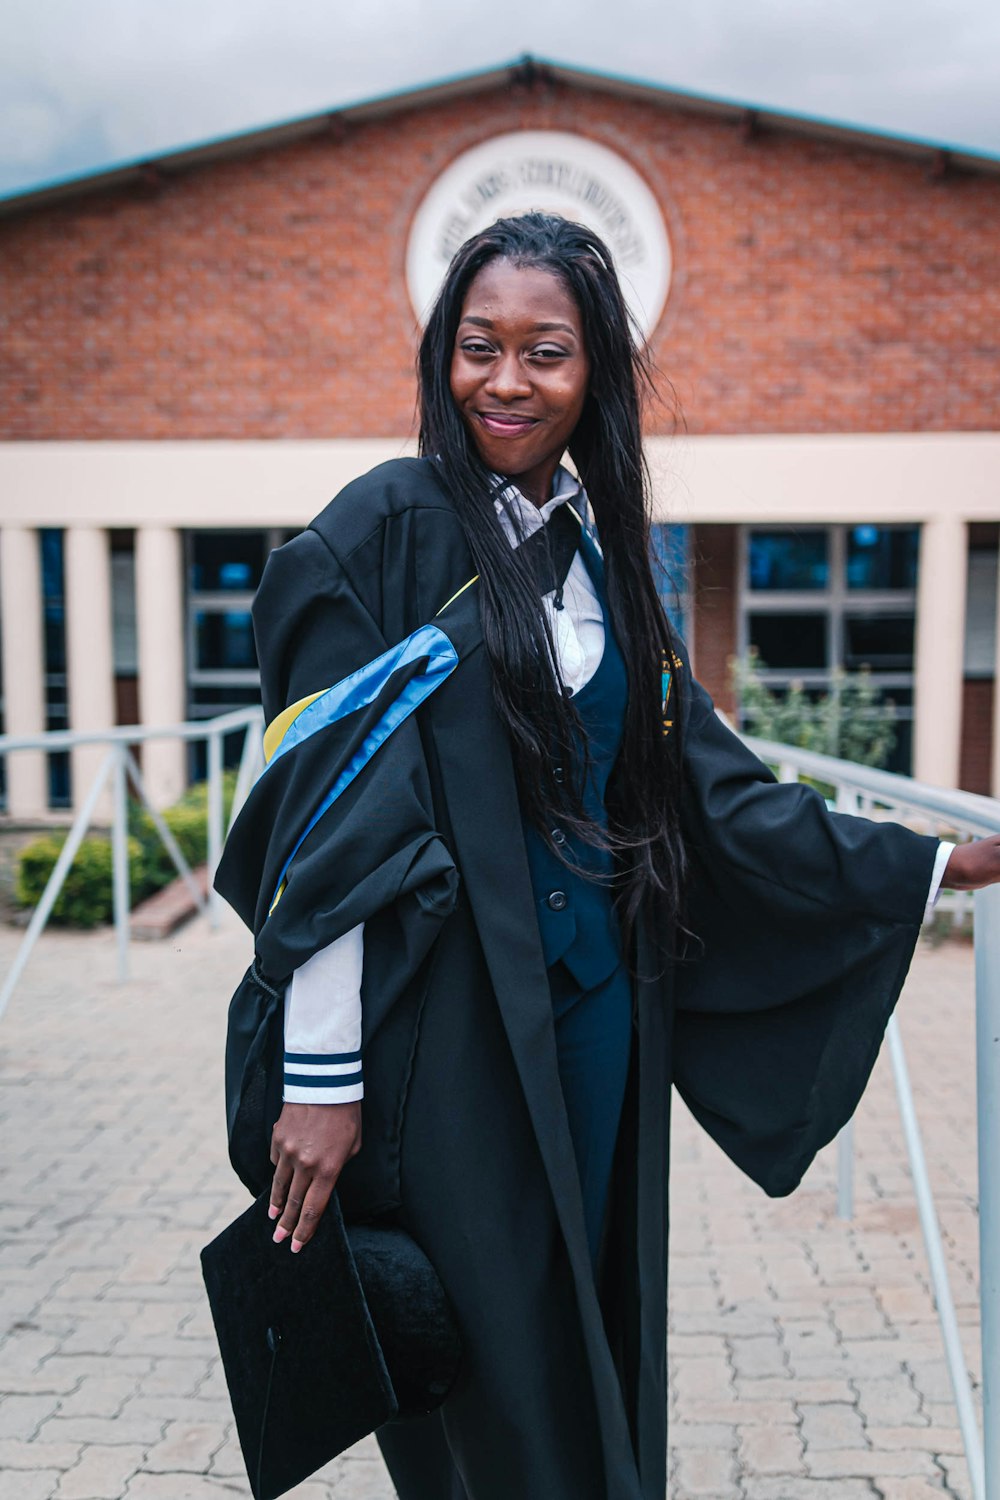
(22, 632)
(940, 650)
(995, 756)
(89, 653)
(159, 613)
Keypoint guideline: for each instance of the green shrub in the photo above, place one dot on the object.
(86, 899)
(852, 722)
(187, 820)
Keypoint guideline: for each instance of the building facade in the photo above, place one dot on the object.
(196, 353)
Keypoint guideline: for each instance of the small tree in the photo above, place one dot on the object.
(852, 721)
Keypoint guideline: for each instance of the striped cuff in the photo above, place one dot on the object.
(323, 1078)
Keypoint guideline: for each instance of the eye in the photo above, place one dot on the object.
(476, 347)
(548, 352)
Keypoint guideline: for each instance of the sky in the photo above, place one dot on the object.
(84, 86)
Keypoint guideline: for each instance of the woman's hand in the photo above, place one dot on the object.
(971, 866)
(310, 1144)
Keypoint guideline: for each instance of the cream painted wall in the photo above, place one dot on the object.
(874, 478)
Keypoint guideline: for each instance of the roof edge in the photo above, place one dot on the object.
(526, 69)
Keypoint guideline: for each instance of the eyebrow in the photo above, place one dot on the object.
(538, 327)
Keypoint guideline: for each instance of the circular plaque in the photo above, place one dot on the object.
(558, 173)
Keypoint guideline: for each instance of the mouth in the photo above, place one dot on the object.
(505, 423)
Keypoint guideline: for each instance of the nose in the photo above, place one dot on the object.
(508, 379)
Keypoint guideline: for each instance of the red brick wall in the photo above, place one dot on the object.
(817, 287)
(977, 735)
(714, 584)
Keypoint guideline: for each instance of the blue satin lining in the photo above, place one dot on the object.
(357, 691)
(363, 686)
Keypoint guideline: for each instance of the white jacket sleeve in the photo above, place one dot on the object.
(323, 1025)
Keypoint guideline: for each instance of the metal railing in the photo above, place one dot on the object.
(955, 815)
(120, 768)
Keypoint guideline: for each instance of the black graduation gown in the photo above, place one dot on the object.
(806, 923)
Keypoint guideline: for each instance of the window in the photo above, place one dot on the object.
(788, 560)
(817, 598)
(671, 547)
(224, 569)
(56, 700)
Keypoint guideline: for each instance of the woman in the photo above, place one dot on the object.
(514, 858)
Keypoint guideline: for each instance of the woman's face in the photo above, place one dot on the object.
(520, 371)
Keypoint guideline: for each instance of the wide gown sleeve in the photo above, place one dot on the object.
(302, 869)
(804, 923)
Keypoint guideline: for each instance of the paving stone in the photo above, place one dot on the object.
(771, 1449)
(19, 1485)
(909, 1488)
(700, 1471)
(186, 1446)
(98, 1396)
(756, 1357)
(807, 1489)
(101, 1474)
(833, 1426)
(23, 1416)
(15, 1454)
(836, 1463)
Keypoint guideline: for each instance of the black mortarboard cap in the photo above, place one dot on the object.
(321, 1348)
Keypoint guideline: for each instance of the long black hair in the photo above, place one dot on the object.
(606, 448)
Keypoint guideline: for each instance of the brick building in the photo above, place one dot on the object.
(196, 352)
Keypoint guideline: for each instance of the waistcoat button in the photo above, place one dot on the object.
(558, 775)
(557, 901)
(558, 837)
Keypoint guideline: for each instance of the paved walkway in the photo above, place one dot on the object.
(806, 1358)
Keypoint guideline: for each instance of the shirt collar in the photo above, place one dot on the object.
(530, 517)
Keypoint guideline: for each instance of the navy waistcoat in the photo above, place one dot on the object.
(576, 916)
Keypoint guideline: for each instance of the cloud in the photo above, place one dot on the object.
(81, 87)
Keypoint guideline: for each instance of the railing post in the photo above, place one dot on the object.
(50, 895)
(847, 802)
(845, 1172)
(938, 1267)
(121, 902)
(215, 822)
(987, 929)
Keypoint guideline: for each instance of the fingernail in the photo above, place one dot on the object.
(272, 1212)
(297, 1246)
(279, 1235)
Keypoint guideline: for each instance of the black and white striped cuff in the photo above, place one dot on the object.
(323, 1077)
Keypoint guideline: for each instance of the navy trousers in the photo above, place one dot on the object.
(594, 1044)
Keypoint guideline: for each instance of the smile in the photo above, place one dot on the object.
(505, 424)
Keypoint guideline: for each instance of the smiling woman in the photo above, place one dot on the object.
(520, 372)
(525, 892)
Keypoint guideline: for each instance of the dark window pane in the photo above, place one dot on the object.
(788, 560)
(224, 640)
(54, 640)
(882, 557)
(226, 560)
(209, 703)
(901, 759)
(670, 569)
(882, 642)
(795, 641)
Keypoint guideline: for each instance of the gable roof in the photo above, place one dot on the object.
(940, 157)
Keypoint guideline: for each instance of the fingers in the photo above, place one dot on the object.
(313, 1207)
(294, 1199)
(280, 1183)
(310, 1145)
